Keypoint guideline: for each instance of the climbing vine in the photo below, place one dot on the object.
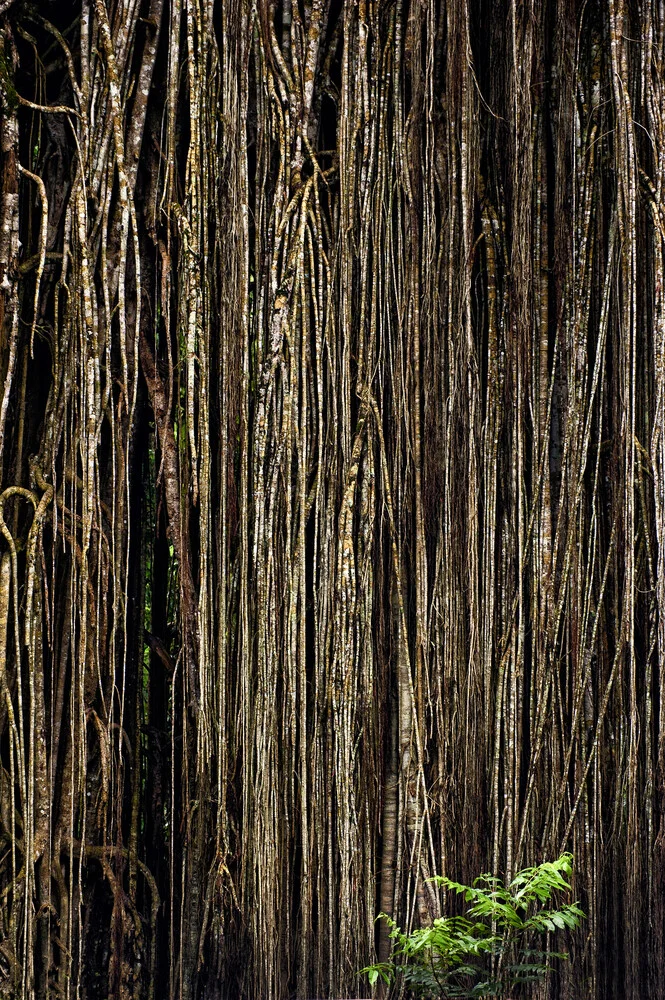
(332, 389)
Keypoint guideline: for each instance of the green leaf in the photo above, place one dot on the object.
(452, 957)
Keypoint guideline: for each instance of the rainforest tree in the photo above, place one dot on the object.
(332, 399)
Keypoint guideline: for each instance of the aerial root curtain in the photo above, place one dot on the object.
(332, 385)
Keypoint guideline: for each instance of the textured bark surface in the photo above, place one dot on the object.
(332, 400)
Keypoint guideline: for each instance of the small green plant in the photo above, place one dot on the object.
(500, 943)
